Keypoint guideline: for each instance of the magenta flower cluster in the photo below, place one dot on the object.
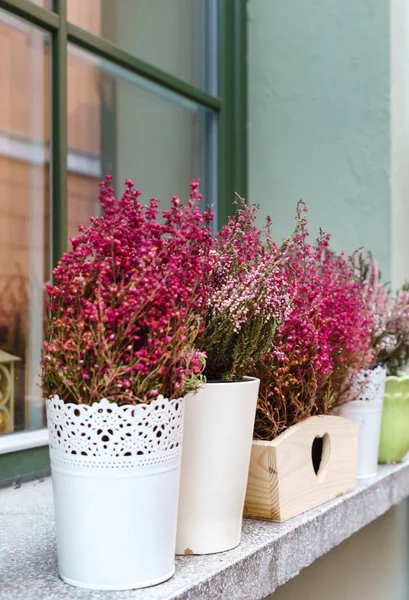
(329, 312)
(324, 341)
(124, 313)
(148, 303)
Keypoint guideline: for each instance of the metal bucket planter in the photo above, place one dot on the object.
(366, 410)
(115, 473)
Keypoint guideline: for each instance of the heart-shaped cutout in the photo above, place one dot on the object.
(320, 451)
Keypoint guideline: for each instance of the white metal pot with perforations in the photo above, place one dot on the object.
(365, 408)
(115, 474)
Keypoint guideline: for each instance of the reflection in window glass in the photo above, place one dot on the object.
(44, 3)
(121, 124)
(24, 219)
(177, 36)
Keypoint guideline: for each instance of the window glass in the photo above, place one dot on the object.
(24, 219)
(121, 124)
(44, 3)
(175, 35)
(118, 123)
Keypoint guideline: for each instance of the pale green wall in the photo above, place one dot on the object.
(319, 117)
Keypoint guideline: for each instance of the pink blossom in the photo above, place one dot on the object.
(390, 328)
(247, 297)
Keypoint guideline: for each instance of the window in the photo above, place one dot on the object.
(148, 89)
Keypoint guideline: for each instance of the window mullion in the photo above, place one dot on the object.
(226, 147)
(119, 56)
(239, 20)
(34, 14)
(59, 142)
(232, 151)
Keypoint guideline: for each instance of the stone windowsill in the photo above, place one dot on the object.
(270, 553)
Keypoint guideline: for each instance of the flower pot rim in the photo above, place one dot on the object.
(246, 380)
(104, 402)
(378, 366)
(397, 377)
(107, 436)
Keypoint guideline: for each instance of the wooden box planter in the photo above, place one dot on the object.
(307, 465)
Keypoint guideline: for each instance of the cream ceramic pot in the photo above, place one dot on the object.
(218, 434)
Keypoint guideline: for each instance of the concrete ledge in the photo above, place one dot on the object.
(270, 553)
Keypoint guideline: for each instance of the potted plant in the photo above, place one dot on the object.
(119, 357)
(303, 456)
(365, 399)
(246, 301)
(394, 353)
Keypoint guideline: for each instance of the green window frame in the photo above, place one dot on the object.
(229, 104)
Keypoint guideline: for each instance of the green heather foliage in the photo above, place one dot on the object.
(247, 299)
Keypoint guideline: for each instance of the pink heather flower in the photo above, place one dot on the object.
(390, 329)
(126, 307)
(247, 297)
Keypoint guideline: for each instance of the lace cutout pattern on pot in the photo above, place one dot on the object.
(107, 435)
(368, 386)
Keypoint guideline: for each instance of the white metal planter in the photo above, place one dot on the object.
(366, 410)
(218, 434)
(115, 474)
